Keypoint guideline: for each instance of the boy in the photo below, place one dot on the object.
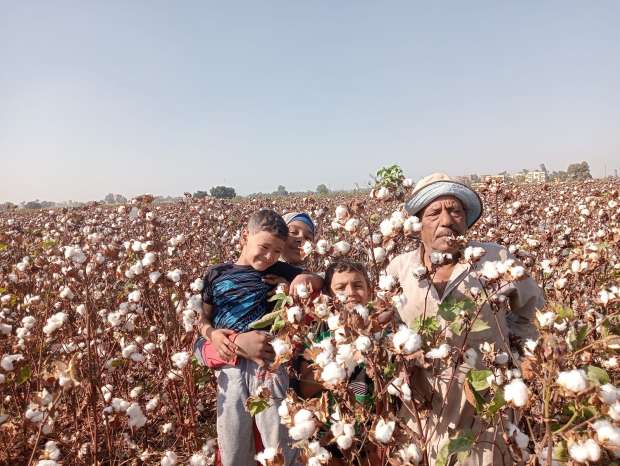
(234, 296)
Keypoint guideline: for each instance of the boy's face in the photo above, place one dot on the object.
(353, 286)
(262, 249)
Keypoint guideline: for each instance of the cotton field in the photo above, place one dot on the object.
(98, 307)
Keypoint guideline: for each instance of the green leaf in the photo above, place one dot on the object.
(278, 324)
(478, 398)
(3, 246)
(266, 321)
(597, 375)
(496, 404)
(461, 444)
(478, 379)
(576, 338)
(479, 326)
(48, 244)
(117, 363)
(560, 452)
(426, 326)
(257, 406)
(389, 370)
(451, 308)
(562, 312)
(24, 375)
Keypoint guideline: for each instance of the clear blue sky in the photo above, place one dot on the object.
(166, 97)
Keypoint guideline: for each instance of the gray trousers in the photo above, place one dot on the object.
(234, 424)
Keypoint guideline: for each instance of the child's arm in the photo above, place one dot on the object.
(218, 337)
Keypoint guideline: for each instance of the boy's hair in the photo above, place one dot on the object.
(344, 265)
(269, 221)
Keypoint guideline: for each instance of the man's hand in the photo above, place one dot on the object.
(255, 346)
(276, 280)
(225, 348)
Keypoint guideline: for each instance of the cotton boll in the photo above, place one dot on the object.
(154, 276)
(410, 454)
(136, 416)
(574, 380)
(585, 451)
(294, 314)
(66, 293)
(302, 291)
(134, 296)
(363, 343)
(333, 374)
(386, 227)
(489, 271)
(281, 347)
(304, 425)
(322, 247)
(180, 359)
(8, 361)
(609, 393)
(517, 393)
(384, 430)
(266, 455)
(352, 225)
(607, 432)
(342, 212)
(362, 311)
(342, 247)
(380, 254)
(174, 275)
(441, 352)
(406, 341)
(545, 319)
(387, 282)
(169, 459)
(55, 322)
(382, 193)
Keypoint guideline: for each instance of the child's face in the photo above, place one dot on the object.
(298, 234)
(262, 249)
(353, 285)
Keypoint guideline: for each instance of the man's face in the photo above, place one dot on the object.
(298, 234)
(442, 220)
(262, 249)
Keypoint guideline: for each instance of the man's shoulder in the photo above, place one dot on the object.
(403, 260)
(284, 269)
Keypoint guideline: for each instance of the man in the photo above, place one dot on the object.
(432, 274)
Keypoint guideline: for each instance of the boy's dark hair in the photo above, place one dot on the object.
(269, 221)
(344, 265)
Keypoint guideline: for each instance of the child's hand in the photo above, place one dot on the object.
(224, 347)
(276, 280)
(255, 346)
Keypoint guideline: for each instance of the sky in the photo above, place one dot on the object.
(168, 97)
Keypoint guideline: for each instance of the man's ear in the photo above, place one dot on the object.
(244, 236)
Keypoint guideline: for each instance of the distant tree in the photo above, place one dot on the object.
(222, 192)
(542, 168)
(201, 194)
(36, 204)
(109, 198)
(281, 191)
(322, 189)
(579, 171)
(474, 178)
(120, 199)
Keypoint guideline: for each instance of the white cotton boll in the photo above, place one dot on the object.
(520, 438)
(410, 454)
(380, 254)
(180, 359)
(135, 392)
(28, 322)
(406, 341)
(107, 392)
(152, 403)
(352, 225)
(384, 430)
(502, 358)
(66, 293)
(136, 416)
(134, 296)
(281, 347)
(197, 285)
(136, 269)
(8, 361)
(545, 319)
(115, 318)
(517, 393)
(266, 455)
(307, 248)
(441, 352)
(54, 323)
(363, 343)
(333, 321)
(51, 450)
(489, 271)
(607, 432)
(302, 291)
(119, 405)
(2, 380)
(342, 212)
(304, 425)
(149, 259)
(382, 193)
(407, 183)
(198, 459)
(614, 411)
(128, 350)
(293, 314)
(342, 247)
(362, 311)
(283, 410)
(387, 282)
(75, 254)
(586, 451)
(386, 227)
(397, 220)
(154, 276)
(174, 275)
(322, 247)
(574, 380)
(517, 272)
(320, 454)
(34, 415)
(6, 329)
(169, 459)
(609, 393)
(473, 253)
(333, 374)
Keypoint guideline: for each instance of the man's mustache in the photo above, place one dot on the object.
(447, 232)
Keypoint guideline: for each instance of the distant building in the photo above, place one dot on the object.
(494, 178)
(536, 176)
